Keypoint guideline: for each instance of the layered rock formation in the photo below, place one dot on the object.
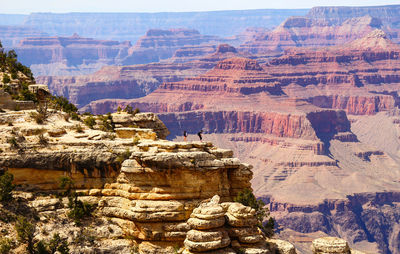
(131, 26)
(130, 81)
(303, 155)
(160, 44)
(68, 55)
(307, 32)
(149, 198)
(336, 15)
(10, 36)
(228, 228)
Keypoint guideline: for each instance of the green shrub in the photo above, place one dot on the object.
(75, 116)
(107, 123)
(247, 198)
(123, 156)
(78, 209)
(62, 103)
(6, 78)
(90, 122)
(78, 128)
(57, 244)
(13, 142)
(5, 245)
(25, 231)
(39, 118)
(14, 75)
(6, 187)
(130, 110)
(43, 140)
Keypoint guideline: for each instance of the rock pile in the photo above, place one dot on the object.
(242, 222)
(207, 232)
(227, 228)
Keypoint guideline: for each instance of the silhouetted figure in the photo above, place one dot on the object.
(199, 134)
(185, 136)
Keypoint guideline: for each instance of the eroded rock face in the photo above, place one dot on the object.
(150, 197)
(128, 81)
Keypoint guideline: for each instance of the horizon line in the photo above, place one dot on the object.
(199, 11)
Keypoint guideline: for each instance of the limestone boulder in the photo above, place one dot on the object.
(330, 245)
(281, 246)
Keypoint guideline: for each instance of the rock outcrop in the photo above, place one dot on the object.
(149, 198)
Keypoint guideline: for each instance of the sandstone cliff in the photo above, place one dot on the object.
(144, 202)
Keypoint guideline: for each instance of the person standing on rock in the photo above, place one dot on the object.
(185, 136)
(199, 134)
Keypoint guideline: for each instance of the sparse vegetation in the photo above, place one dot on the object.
(39, 117)
(6, 187)
(5, 245)
(89, 122)
(13, 142)
(110, 136)
(55, 245)
(6, 78)
(43, 140)
(78, 209)
(75, 116)
(247, 198)
(107, 123)
(123, 156)
(62, 103)
(78, 128)
(130, 110)
(25, 231)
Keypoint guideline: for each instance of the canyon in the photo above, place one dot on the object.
(311, 101)
(74, 55)
(297, 144)
(131, 81)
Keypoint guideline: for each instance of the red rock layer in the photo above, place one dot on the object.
(128, 81)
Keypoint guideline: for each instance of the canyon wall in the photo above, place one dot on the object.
(130, 26)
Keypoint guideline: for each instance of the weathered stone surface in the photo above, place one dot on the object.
(136, 132)
(281, 246)
(202, 246)
(331, 245)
